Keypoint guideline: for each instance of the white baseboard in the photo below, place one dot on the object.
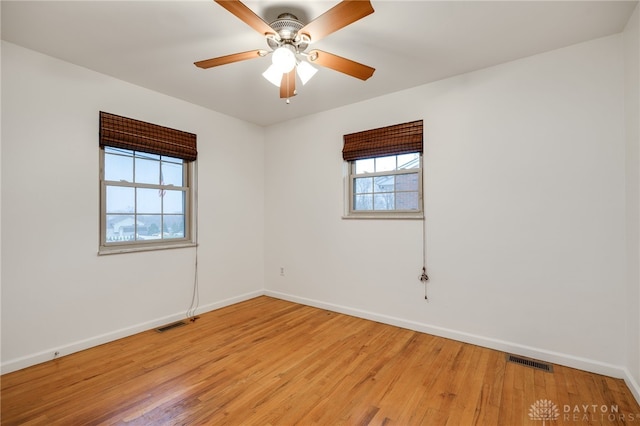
(632, 384)
(48, 354)
(500, 345)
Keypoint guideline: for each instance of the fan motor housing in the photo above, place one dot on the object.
(287, 26)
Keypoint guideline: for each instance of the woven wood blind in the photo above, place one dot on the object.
(391, 140)
(127, 133)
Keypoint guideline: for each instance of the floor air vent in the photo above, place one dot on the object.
(530, 363)
(170, 326)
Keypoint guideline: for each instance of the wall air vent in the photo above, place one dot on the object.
(170, 326)
(530, 363)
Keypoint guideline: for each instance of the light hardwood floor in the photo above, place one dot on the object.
(271, 362)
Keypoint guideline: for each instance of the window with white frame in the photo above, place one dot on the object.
(145, 195)
(384, 184)
(385, 172)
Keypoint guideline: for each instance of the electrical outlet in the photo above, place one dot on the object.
(282, 271)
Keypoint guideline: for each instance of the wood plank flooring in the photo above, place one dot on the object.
(271, 362)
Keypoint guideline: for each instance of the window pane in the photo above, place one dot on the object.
(409, 161)
(118, 167)
(150, 230)
(172, 159)
(407, 182)
(173, 202)
(147, 156)
(171, 174)
(383, 201)
(385, 164)
(147, 171)
(384, 184)
(363, 202)
(363, 185)
(173, 226)
(407, 200)
(365, 166)
(148, 201)
(120, 228)
(120, 199)
(112, 150)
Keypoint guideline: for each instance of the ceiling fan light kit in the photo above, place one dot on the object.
(284, 58)
(306, 71)
(288, 39)
(273, 75)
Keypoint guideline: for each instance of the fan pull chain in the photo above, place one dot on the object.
(424, 278)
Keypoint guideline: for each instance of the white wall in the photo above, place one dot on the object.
(631, 38)
(57, 293)
(525, 210)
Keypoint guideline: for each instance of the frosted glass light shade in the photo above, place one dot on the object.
(284, 58)
(306, 71)
(274, 75)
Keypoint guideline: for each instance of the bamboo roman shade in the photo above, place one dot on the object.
(127, 133)
(391, 140)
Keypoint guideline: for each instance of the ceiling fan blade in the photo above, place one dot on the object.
(228, 59)
(288, 84)
(343, 65)
(246, 15)
(339, 16)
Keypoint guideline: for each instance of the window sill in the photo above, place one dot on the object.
(410, 216)
(102, 251)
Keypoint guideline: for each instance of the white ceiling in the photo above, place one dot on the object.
(154, 44)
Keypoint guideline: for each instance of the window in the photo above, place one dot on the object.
(146, 197)
(145, 194)
(385, 184)
(384, 172)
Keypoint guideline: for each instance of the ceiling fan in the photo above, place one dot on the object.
(289, 39)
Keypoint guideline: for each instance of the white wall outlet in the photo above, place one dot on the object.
(282, 271)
